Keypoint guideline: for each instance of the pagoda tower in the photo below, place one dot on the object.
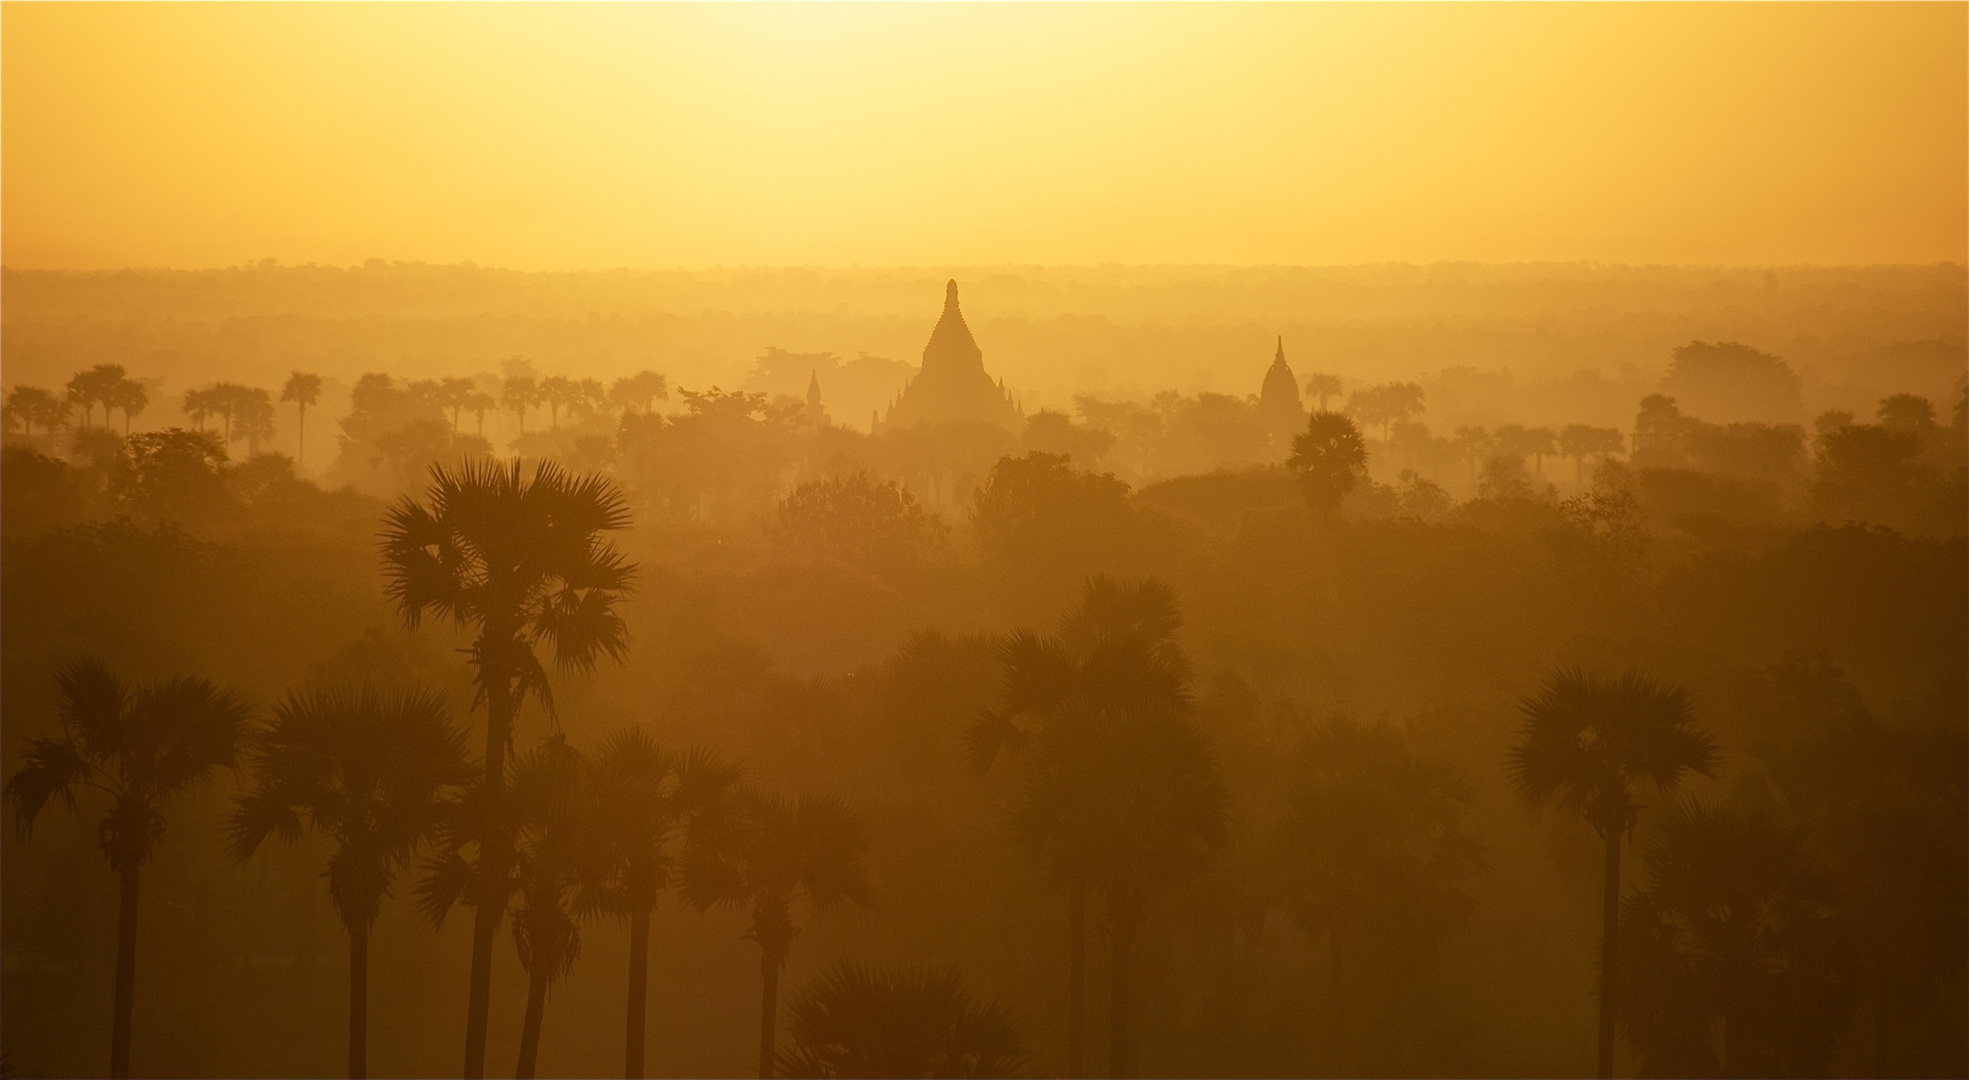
(952, 386)
(1279, 406)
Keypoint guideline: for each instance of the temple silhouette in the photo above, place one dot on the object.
(1280, 408)
(952, 386)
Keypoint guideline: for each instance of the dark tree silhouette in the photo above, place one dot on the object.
(1120, 791)
(1330, 459)
(648, 805)
(522, 562)
(780, 853)
(856, 1021)
(1371, 853)
(301, 389)
(1587, 742)
(1737, 963)
(369, 770)
(139, 746)
(544, 824)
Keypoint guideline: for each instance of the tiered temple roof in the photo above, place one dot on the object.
(952, 384)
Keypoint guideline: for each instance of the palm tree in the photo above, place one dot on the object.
(1120, 792)
(542, 820)
(647, 802)
(1322, 386)
(782, 852)
(139, 746)
(1586, 743)
(1737, 963)
(1329, 457)
(519, 393)
(367, 769)
(918, 1021)
(559, 392)
(301, 389)
(522, 561)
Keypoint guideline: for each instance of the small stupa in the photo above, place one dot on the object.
(816, 413)
(1280, 408)
(952, 385)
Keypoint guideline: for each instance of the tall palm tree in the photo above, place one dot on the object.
(522, 561)
(544, 822)
(302, 389)
(368, 769)
(648, 803)
(1587, 742)
(1329, 457)
(918, 1021)
(1120, 792)
(139, 746)
(782, 852)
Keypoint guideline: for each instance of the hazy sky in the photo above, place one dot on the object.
(571, 136)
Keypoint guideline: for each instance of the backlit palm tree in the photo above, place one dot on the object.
(368, 770)
(139, 747)
(855, 1021)
(1587, 743)
(781, 853)
(649, 804)
(1735, 957)
(522, 562)
(545, 823)
(302, 389)
(1120, 792)
(1330, 458)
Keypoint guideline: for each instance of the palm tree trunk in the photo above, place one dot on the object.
(126, 976)
(768, 1012)
(638, 993)
(358, 1000)
(495, 859)
(301, 436)
(1337, 1049)
(1124, 940)
(1609, 926)
(536, 1007)
(1077, 981)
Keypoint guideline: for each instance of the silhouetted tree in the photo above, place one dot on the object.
(522, 562)
(140, 746)
(1587, 742)
(782, 852)
(368, 769)
(1736, 960)
(648, 805)
(302, 390)
(856, 1021)
(868, 523)
(1120, 791)
(33, 405)
(519, 393)
(1330, 459)
(639, 390)
(1370, 854)
(1322, 386)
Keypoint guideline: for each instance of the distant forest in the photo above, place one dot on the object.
(1362, 642)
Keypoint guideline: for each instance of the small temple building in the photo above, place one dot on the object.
(1280, 408)
(952, 385)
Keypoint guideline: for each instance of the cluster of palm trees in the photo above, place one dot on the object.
(104, 386)
(580, 397)
(246, 411)
(1118, 796)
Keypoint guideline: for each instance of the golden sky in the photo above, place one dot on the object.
(593, 135)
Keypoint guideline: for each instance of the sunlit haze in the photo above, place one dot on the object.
(680, 136)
